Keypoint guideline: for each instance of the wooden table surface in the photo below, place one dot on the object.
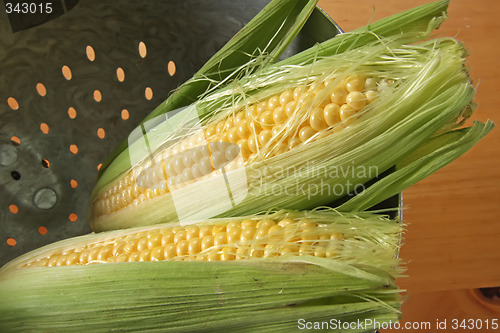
(452, 243)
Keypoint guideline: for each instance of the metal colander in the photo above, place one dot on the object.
(73, 87)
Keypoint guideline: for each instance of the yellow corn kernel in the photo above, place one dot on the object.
(220, 239)
(194, 246)
(104, 253)
(275, 233)
(72, 259)
(233, 234)
(213, 255)
(242, 252)
(134, 257)
(227, 254)
(182, 248)
(157, 253)
(354, 83)
(205, 230)
(207, 242)
(142, 244)
(256, 251)
(145, 255)
(248, 231)
(154, 241)
(122, 258)
(170, 251)
(180, 236)
(192, 232)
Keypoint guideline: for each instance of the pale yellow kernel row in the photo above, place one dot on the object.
(236, 240)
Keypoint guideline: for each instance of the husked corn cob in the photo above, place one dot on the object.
(256, 132)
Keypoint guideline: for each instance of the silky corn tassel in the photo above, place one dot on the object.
(265, 238)
(261, 130)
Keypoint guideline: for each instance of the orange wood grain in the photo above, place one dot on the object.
(451, 309)
(452, 243)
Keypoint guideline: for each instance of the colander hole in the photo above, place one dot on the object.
(101, 133)
(13, 209)
(73, 217)
(11, 241)
(40, 88)
(99, 166)
(120, 74)
(44, 128)
(15, 140)
(72, 112)
(42, 230)
(45, 163)
(148, 92)
(15, 175)
(73, 183)
(171, 68)
(90, 53)
(125, 114)
(142, 50)
(97, 95)
(12, 102)
(73, 149)
(66, 72)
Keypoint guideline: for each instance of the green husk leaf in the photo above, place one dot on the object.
(189, 296)
(411, 23)
(266, 36)
(431, 156)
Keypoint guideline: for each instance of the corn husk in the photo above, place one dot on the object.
(431, 92)
(194, 297)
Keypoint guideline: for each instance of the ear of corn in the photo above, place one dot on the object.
(275, 27)
(393, 98)
(352, 278)
(411, 24)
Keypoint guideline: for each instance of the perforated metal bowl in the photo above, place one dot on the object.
(73, 87)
